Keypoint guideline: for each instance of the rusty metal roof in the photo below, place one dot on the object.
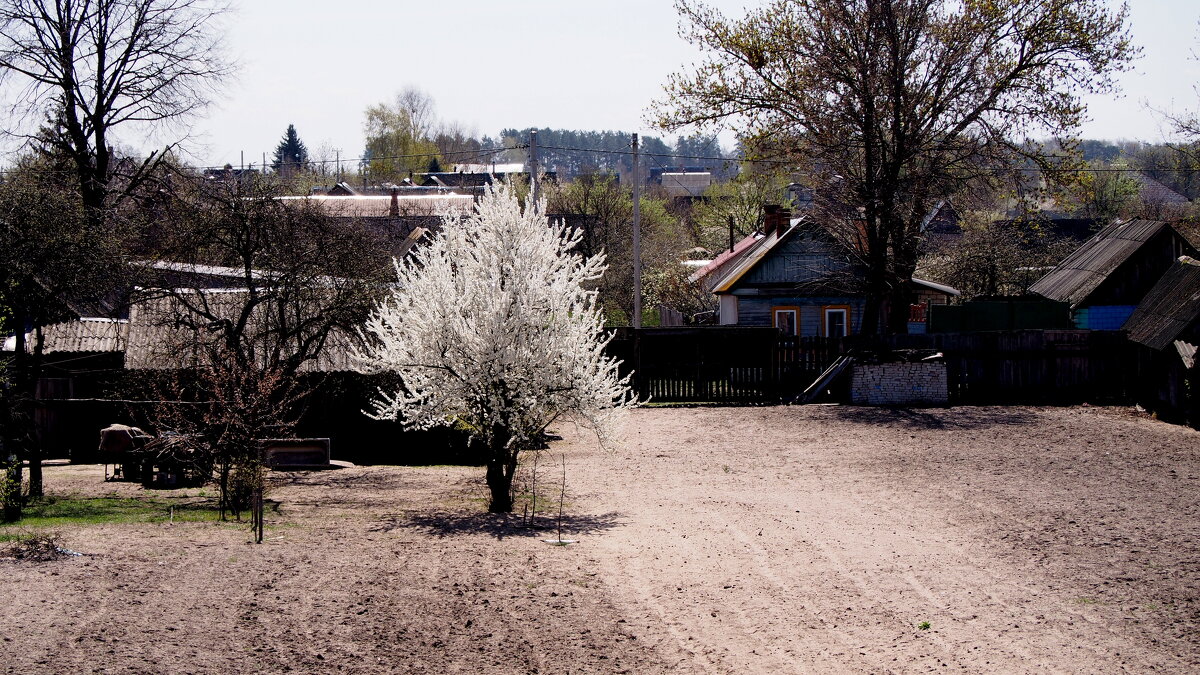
(740, 248)
(1074, 279)
(1169, 308)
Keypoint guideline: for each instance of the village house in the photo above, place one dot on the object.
(795, 277)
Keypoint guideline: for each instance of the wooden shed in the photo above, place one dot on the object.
(1106, 278)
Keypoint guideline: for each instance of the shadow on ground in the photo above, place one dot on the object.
(937, 418)
(498, 525)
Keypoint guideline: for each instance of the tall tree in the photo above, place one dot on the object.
(400, 135)
(896, 104)
(93, 67)
(52, 259)
(290, 155)
(490, 326)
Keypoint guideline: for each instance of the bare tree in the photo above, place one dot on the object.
(297, 285)
(87, 68)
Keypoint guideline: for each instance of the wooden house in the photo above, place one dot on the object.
(1106, 278)
(795, 277)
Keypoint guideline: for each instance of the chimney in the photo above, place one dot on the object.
(775, 219)
(394, 209)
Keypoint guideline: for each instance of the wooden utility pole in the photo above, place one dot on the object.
(637, 237)
(535, 188)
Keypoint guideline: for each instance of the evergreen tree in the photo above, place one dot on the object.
(290, 154)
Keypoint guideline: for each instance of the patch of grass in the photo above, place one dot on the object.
(924, 625)
(1086, 601)
(59, 511)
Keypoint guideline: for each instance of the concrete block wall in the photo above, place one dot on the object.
(899, 384)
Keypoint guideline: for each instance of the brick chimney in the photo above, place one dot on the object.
(394, 209)
(775, 219)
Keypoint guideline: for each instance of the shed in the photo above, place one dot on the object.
(1170, 312)
(1105, 278)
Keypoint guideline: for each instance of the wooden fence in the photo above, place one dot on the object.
(758, 365)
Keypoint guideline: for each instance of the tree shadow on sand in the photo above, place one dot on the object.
(936, 418)
(498, 525)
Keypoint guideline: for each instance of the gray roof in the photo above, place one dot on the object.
(1074, 279)
(83, 335)
(1153, 192)
(1169, 308)
(157, 342)
(692, 184)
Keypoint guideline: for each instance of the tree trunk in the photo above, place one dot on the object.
(27, 370)
(502, 465)
(35, 469)
(500, 484)
(902, 296)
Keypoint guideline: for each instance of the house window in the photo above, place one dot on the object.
(835, 320)
(786, 319)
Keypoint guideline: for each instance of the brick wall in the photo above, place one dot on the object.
(899, 384)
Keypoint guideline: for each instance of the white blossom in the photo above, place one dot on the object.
(491, 324)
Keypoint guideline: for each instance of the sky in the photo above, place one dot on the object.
(561, 64)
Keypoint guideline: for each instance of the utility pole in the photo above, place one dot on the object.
(637, 237)
(535, 187)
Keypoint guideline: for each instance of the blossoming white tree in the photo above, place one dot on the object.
(490, 325)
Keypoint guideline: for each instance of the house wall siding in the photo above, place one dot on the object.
(756, 311)
(1102, 317)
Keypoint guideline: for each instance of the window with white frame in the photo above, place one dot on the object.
(786, 319)
(836, 321)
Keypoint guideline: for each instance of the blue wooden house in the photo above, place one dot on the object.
(796, 277)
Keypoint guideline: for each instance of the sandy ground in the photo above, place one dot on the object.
(741, 540)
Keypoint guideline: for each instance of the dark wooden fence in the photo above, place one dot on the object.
(721, 363)
(758, 365)
(1030, 366)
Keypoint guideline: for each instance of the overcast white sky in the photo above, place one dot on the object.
(547, 63)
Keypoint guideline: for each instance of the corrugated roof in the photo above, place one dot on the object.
(1153, 192)
(722, 273)
(157, 342)
(1169, 308)
(746, 262)
(934, 286)
(1074, 279)
(691, 184)
(83, 335)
